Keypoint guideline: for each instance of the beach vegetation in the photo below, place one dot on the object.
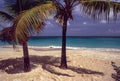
(10, 34)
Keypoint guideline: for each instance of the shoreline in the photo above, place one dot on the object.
(59, 48)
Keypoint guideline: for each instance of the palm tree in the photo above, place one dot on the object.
(63, 12)
(8, 34)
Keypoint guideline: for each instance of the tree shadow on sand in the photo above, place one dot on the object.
(12, 66)
(84, 71)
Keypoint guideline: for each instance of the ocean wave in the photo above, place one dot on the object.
(78, 48)
(68, 47)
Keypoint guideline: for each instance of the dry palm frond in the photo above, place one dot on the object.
(32, 20)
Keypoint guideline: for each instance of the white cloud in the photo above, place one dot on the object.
(111, 14)
(103, 21)
(68, 23)
(51, 17)
(49, 24)
(84, 23)
(77, 10)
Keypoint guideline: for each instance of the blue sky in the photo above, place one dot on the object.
(81, 25)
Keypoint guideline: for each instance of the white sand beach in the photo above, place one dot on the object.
(83, 64)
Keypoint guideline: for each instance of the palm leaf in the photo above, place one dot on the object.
(60, 11)
(16, 6)
(32, 20)
(7, 35)
(64, 9)
(5, 16)
(98, 9)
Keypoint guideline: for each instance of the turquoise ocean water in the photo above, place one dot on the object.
(85, 42)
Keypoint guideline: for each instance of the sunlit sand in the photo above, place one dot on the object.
(83, 64)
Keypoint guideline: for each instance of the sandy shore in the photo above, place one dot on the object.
(83, 64)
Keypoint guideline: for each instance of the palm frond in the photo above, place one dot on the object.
(63, 9)
(5, 16)
(116, 8)
(60, 11)
(6, 35)
(98, 9)
(32, 20)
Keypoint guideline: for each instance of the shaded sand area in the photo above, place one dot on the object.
(83, 64)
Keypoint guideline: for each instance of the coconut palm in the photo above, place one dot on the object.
(8, 34)
(63, 12)
(94, 8)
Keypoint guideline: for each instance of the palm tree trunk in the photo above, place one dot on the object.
(25, 48)
(26, 57)
(63, 55)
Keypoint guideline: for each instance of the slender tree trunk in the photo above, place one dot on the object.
(26, 57)
(25, 48)
(63, 55)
